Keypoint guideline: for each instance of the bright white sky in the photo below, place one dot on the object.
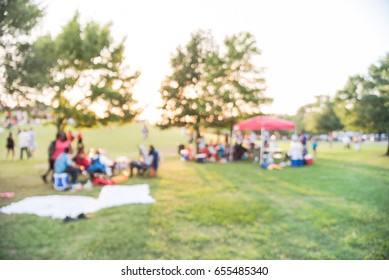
(308, 47)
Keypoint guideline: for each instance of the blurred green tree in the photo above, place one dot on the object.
(209, 89)
(17, 17)
(363, 103)
(319, 117)
(185, 99)
(80, 74)
(236, 85)
(17, 20)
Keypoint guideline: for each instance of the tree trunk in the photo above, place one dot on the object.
(228, 138)
(197, 137)
(387, 137)
(60, 124)
(231, 130)
(229, 148)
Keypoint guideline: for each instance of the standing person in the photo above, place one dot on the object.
(31, 142)
(50, 158)
(252, 140)
(330, 139)
(346, 141)
(23, 139)
(201, 142)
(70, 136)
(79, 137)
(190, 136)
(239, 137)
(145, 131)
(10, 145)
(303, 139)
(55, 149)
(314, 146)
(357, 142)
(80, 143)
(266, 137)
(61, 144)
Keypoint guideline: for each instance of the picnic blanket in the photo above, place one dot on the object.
(61, 206)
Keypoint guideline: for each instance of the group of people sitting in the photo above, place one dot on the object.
(248, 148)
(206, 152)
(297, 155)
(220, 152)
(95, 163)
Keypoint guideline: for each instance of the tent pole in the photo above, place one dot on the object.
(262, 146)
(231, 148)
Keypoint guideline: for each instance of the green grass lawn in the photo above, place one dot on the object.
(336, 209)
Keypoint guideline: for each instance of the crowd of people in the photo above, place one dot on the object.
(242, 148)
(247, 146)
(95, 164)
(67, 153)
(206, 152)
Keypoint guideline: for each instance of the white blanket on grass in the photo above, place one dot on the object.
(61, 206)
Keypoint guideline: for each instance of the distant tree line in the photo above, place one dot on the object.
(361, 105)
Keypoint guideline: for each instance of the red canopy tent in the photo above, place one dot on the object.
(264, 123)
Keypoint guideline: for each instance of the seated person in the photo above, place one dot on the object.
(64, 164)
(296, 151)
(186, 154)
(205, 151)
(220, 151)
(107, 162)
(212, 151)
(121, 164)
(239, 151)
(100, 163)
(151, 161)
(180, 148)
(82, 159)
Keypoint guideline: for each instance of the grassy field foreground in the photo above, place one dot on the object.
(335, 209)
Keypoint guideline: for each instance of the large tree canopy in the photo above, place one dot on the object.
(319, 117)
(236, 83)
(364, 101)
(211, 89)
(80, 74)
(184, 95)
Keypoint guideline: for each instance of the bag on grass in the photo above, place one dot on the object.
(97, 181)
(152, 173)
(119, 179)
